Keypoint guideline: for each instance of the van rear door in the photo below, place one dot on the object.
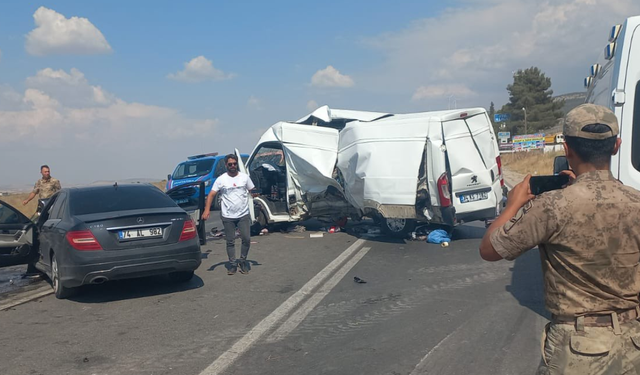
(475, 180)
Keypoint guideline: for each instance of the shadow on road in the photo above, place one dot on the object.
(119, 290)
(468, 232)
(226, 264)
(526, 282)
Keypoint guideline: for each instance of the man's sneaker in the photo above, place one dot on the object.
(244, 266)
(231, 269)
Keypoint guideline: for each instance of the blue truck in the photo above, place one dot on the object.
(203, 167)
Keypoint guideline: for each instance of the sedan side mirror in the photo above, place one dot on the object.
(560, 163)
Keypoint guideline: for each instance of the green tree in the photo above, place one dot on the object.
(530, 94)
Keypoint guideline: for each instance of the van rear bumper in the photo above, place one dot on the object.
(488, 213)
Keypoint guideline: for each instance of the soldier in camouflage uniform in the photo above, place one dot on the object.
(44, 187)
(588, 235)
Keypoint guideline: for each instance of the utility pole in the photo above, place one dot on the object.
(525, 120)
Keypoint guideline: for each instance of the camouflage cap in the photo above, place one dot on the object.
(590, 114)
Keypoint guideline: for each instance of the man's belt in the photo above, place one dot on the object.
(599, 320)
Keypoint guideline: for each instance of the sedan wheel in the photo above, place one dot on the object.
(60, 291)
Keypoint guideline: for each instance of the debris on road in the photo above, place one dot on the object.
(439, 236)
(294, 228)
(316, 235)
(359, 280)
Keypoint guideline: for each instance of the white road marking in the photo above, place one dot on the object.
(296, 318)
(241, 346)
(26, 297)
(418, 369)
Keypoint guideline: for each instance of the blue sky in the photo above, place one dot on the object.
(115, 99)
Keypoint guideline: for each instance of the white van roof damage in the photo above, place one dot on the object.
(375, 161)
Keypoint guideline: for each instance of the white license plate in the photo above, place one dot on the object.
(181, 201)
(139, 233)
(474, 197)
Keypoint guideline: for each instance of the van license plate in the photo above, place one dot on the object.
(139, 233)
(474, 197)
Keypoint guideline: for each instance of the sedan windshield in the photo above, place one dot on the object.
(122, 198)
(193, 168)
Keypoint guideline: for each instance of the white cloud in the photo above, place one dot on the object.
(441, 91)
(200, 69)
(331, 77)
(478, 44)
(255, 103)
(72, 89)
(52, 108)
(56, 34)
(312, 105)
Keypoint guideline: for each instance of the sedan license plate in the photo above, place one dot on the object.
(181, 201)
(474, 197)
(133, 234)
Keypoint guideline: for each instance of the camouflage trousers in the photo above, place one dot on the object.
(591, 350)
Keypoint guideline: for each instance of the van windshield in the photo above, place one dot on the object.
(192, 168)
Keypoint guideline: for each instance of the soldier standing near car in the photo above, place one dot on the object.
(589, 242)
(234, 188)
(44, 187)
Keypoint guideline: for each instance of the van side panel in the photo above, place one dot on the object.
(628, 114)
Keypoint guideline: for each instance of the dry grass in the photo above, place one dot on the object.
(533, 162)
(15, 200)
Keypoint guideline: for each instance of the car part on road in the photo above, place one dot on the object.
(359, 280)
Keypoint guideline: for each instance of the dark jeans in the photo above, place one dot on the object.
(230, 225)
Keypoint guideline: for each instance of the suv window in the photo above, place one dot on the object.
(220, 168)
(635, 136)
(193, 168)
(108, 199)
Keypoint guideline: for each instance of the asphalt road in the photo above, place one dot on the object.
(424, 309)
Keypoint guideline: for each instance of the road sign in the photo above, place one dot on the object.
(500, 117)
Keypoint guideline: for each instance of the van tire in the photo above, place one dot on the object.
(399, 228)
(261, 222)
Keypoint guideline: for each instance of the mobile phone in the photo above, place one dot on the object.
(541, 184)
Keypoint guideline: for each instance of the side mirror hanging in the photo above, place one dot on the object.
(560, 163)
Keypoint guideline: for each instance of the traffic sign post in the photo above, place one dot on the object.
(501, 117)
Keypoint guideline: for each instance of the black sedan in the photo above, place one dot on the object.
(95, 234)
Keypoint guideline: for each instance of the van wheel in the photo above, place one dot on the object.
(261, 222)
(399, 228)
(59, 290)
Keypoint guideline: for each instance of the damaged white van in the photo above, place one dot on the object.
(432, 167)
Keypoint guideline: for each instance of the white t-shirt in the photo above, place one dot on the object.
(234, 194)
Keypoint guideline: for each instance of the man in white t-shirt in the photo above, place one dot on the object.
(234, 188)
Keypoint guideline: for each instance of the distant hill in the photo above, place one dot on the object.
(571, 100)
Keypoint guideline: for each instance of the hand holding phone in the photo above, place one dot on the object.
(542, 184)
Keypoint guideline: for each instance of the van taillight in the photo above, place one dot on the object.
(443, 190)
(83, 240)
(499, 162)
(188, 231)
